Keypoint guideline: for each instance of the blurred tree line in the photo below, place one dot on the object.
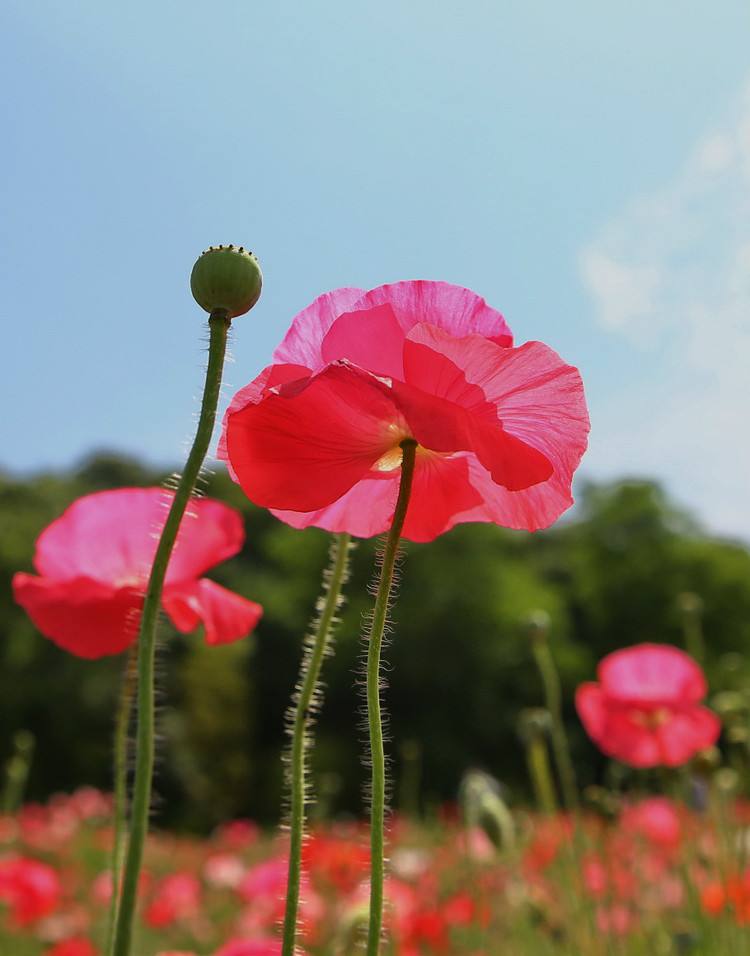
(460, 664)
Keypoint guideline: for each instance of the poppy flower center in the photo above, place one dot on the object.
(652, 719)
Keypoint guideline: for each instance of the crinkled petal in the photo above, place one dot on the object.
(305, 445)
(441, 425)
(226, 616)
(83, 616)
(371, 338)
(302, 343)
(111, 537)
(537, 397)
(652, 673)
(452, 308)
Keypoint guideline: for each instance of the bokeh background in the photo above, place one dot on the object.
(585, 167)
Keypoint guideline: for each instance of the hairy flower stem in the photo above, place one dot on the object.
(305, 702)
(122, 726)
(377, 753)
(144, 757)
(553, 701)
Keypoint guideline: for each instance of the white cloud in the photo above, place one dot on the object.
(671, 274)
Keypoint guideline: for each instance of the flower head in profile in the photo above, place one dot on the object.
(646, 709)
(94, 562)
(499, 430)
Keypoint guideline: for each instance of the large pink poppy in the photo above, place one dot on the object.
(94, 562)
(500, 430)
(646, 709)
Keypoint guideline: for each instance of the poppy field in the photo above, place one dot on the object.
(638, 876)
(398, 414)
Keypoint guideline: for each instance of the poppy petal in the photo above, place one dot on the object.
(452, 308)
(371, 338)
(305, 445)
(364, 511)
(536, 396)
(111, 537)
(251, 394)
(302, 343)
(589, 703)
(442, 426)
(226, 616)
(652, 673)
(685, 733)
(83, 616)
(440, 494)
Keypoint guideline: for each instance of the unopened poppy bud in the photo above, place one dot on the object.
(726, 780)
(738, 734)
(729, 704)
(533, 722)
(226, 279)
(537, 625)
(689, 603)
(707, 761)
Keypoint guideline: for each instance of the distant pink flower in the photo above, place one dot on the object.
(263, 890)
(238, 834)
(31, 889)
(645, 711)
(95, 559)
(176, 897)
(655, 818)
(500, 430)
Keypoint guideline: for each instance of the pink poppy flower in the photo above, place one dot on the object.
(645, 711)
(94, 562)
(500, 430)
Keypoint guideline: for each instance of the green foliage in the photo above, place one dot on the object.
(461, 667)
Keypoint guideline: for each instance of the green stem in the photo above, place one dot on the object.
(553, 700)
(122, 726)
(541, 778)
(305, 702)
(144, 758)
(377, 753)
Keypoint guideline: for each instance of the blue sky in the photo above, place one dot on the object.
(584, 166)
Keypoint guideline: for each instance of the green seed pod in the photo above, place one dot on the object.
(226, 279)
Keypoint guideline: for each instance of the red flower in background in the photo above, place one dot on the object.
(176, 897)
(731, 893)
(500, 430)
(657, 819)
(31, 889)
(338, 862)
(77, 946)
(94, 562)
(645, 711)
